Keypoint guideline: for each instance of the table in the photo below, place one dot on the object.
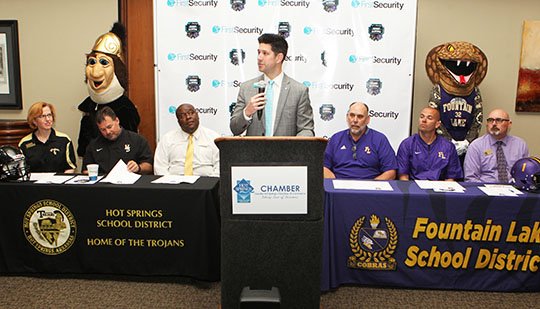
(141, 229)
(418, 238)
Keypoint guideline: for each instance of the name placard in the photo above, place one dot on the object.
(269, 189)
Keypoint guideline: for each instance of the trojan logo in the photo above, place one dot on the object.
(373, 246)
(50, 227)
(54, 151)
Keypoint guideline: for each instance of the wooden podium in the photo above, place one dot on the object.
(271, 238)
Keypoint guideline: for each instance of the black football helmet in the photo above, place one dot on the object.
(13, 165)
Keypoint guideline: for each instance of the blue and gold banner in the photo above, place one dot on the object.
(418, 238)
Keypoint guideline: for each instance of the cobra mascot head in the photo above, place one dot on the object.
(106, 73)
(457, 67)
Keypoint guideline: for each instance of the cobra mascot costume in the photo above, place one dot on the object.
(106, 80)
(456, 69)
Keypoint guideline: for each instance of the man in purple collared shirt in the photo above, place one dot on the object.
(481, 159)
(427, 155)
(359, 152)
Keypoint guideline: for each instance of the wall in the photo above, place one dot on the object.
(493, 25)
(54, 37)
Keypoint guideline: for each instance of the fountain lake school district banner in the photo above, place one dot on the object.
(343, 51)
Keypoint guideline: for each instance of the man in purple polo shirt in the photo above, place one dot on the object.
(359, 152)
(427, 155)
(481, 158)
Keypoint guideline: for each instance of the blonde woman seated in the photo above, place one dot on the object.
(47, 150)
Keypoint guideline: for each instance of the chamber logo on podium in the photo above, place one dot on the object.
(50, 227)
(243, 191)
(373, 247)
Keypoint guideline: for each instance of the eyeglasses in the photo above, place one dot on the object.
(45, 116)
(354, 151)
(188, 113)
(496, 120)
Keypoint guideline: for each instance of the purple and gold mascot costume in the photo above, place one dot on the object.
(456, 69)
(106, 80)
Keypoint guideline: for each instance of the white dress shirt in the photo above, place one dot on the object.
(170, 155)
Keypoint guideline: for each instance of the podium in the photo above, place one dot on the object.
(272, 198)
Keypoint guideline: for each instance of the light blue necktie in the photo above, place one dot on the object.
(268, 108)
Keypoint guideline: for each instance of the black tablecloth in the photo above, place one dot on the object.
(140, 229)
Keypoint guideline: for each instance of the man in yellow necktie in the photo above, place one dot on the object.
(189, 149)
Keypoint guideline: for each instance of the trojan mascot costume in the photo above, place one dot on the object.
(456, 69)
(106, 80)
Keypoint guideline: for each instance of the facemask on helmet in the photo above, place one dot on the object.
(526, 174)
(13, 165)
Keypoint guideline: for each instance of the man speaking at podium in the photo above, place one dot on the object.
(272, 104)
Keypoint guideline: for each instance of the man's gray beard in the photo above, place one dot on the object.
(495, 133)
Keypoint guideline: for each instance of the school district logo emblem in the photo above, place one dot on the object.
(193, 83)
(376, 32)
(238, 5)
(237, 56)
(243, 191)
(373, 246)
(50, 227)
(284, 29)
(330, 5)
(327, 112)
(373, 86)
(193, 29)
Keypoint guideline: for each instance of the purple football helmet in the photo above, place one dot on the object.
(526, 174)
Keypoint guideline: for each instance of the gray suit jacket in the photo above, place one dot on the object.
(294, 116)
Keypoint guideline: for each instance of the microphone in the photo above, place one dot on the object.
(261, 86)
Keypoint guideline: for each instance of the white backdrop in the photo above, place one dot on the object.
(343, 51)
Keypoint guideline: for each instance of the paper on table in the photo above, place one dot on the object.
(497, 191)
(440, 186)
(56, 179)
(82, 180)
(507, 187)
(38, 176)
(120, 174)
(362, 185)
(176, 179)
